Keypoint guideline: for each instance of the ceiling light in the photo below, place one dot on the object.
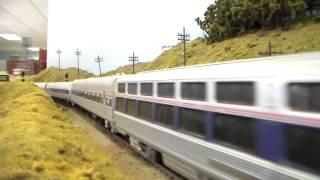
(10, 37)
(33, 48)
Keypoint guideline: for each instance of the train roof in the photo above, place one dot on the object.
(59, 85)
(95, 84)
(4, 73)
(98, 81)
(40, 84)
(296, 64)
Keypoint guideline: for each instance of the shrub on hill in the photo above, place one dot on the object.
(229, 18)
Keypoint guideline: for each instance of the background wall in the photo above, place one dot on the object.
(3, 65)
(5, 55)
(113, 29)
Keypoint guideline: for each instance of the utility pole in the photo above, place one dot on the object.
(22, 76)
(59, 52)
(133, 59)
(269, 52)
(98, 60)
(183, 37)
(78, 53)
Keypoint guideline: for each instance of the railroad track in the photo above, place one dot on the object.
(124, 143)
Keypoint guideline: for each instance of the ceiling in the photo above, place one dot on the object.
(25, 18)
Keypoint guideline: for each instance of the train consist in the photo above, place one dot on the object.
(4, 77)
(250, 119)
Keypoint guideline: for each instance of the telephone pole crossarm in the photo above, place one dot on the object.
(133, 59)
(99, 60)
(78, 53)
(269, 52)
(184, 37)
(59, 52)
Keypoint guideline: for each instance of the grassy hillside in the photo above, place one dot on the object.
(55, 75)
(39, 141)
(300, 38)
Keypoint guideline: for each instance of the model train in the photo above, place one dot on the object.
(4, 77)
(250, 119)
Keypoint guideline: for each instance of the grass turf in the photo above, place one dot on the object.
(55, 75)
(39, 141)
(302, 37)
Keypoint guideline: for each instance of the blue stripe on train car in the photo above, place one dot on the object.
(271, 143)
(176, 117)
(153, 112)
(137, 110)
(210, 126)
(126, 105)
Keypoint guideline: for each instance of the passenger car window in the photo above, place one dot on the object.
(121, 88)
(166, 90)
(304, 96)
(192, 121)
(146, 89)
(304, 146)
(132, 88)
(235, 130)
(120, 104)
(145, 110)
(165, 114)
(193, 90)
(235, 92)
(131, 107)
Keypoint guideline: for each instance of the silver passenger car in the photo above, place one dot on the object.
(251, 119)
(95, 95)
(59, 90)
